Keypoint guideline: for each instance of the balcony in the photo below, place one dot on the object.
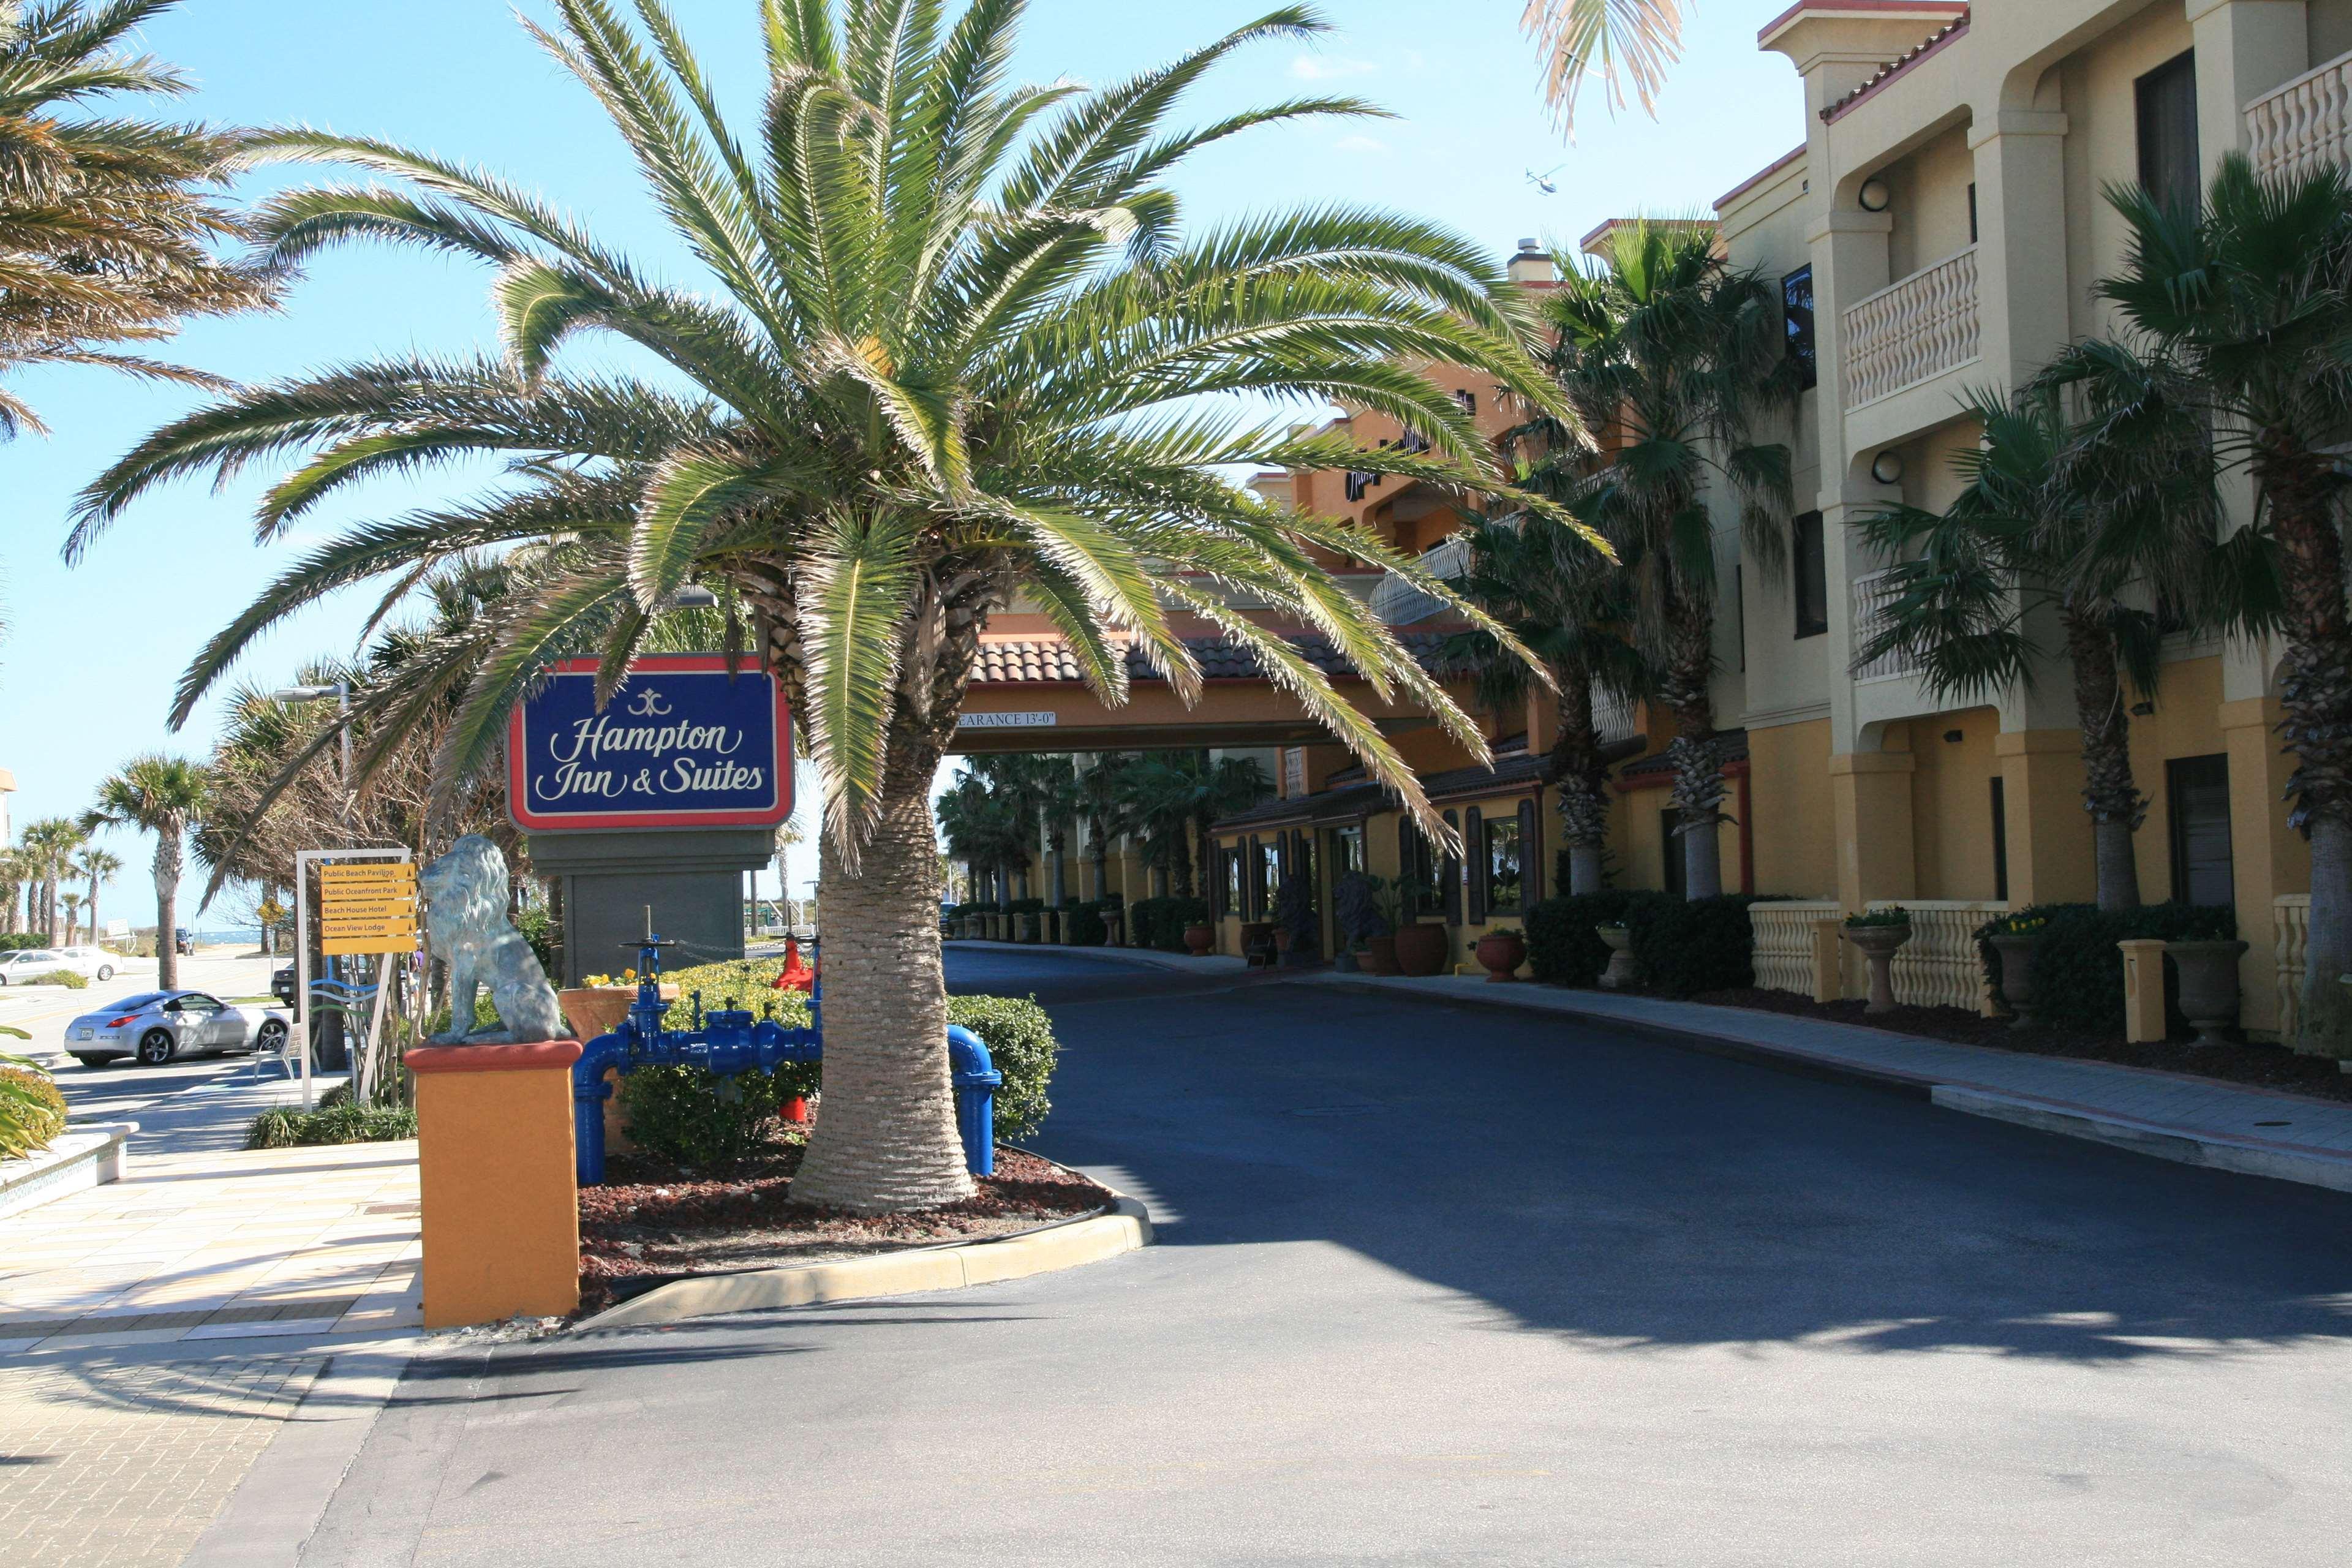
(1911, 331)
(1871, 595)
(2304, 126)
(1399, 603)
(1613, 717)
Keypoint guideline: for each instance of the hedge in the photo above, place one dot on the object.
(18, 940)
(2078, 971)
(1680, 947)
(285, 1128)
(686, 1114)
(1086, 926)
(1161, 922)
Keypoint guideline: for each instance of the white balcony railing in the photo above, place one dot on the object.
(1909, 331)
(1872, 595)
(1613, 717)
(2290, 928)
(2305, 125)
(1400, 604)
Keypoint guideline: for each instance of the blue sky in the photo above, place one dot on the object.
(87, 675)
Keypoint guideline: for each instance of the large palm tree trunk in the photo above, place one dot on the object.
(2316, 691)
(167, 908)
(2116, 806)
(1581, 779)
(1697, 764)
(885, 1130)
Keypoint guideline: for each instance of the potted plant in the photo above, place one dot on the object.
(1500, 952)
(1297, 931)
(1199, 937)
(1380, 949)
(2014, 937)
(2208, 985)
(1356, 897)
(1876, 934)
(1420, 949)
(1620, 975)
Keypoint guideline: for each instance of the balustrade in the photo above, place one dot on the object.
(1783, 956)
(1912, 329)
(2291, 924)
(2305, 125)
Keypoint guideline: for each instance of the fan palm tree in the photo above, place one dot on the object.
(1630, 42)
(951, 345)
(2236, 319)
(49, 843)
(98, 865)
(162, 796)
(1574, 609)
(1103, 802)
(2042, 525)
(108, 222)
(16, 872)
(983, 827)
(1177, 797)
(1675, 355)
(72, 901)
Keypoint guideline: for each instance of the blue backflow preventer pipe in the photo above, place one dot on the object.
(726, 1042)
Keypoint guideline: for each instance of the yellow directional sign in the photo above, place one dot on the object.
(336, 946)
(360, 925)
(369, 905)
(366, 876)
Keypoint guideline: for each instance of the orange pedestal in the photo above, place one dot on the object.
(501, 1212)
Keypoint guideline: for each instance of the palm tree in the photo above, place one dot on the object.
(1675, 354)
(1102, 796)
(72, 902)
(1639, 38)
(98, 865)
(951, 344)
(110, 220)
(16, 872)
(49, 843)
(2236, 320)
(983, 827)
(1176, 798)
(162, 796)
(1572, 607)
(2042, 525)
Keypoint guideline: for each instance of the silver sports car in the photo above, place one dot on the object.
(156, 1025)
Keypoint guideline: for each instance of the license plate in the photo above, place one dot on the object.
(83, 1034)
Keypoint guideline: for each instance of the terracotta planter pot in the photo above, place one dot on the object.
(2016, 977)
(2209, 987)
(1877, 945)
(1258, 943)
(1198, 939)
(1621, 972)
(1500, 955)
(1420, 949)
(1382, 958)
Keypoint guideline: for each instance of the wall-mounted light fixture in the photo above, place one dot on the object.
(1873, 194)
(1887, 467)
(2143, 709)
(1954, 737)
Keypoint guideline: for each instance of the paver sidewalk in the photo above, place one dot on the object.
(219, 1245)
(2174, 1116)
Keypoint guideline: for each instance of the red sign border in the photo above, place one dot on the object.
(654, 664)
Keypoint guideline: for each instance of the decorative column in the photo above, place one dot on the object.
(500, 1203)
(2051, 858)
(2022, 289)
(2267, 857)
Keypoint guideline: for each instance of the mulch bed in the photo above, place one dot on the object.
(652, 1220)
(2263, 1067)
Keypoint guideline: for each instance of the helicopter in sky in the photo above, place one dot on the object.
(1544, 181)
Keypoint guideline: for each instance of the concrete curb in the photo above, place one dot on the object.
(1127, 1226)
(86, 1154)
(2184, 1146)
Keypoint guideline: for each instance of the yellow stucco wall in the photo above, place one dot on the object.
(1789, 768)
(1952, 804)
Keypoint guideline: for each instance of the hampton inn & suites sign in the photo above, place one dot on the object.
(682, 743)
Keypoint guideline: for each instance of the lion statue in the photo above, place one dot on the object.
(467, 926)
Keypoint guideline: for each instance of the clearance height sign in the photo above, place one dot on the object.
(682, 743)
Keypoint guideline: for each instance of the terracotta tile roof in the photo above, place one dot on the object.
(1049, 659)
(1902, 62)
(1362, 800)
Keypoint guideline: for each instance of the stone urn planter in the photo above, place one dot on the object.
(1420, 949)
(1199, 937)
(1028, 928)
(1877, 944)
(1500, 953)
(2209, 987)
(2017, 977)
(1381, 955)
(1620, 943)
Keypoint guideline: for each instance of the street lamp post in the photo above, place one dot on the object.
(331, 1027)
(342, 692)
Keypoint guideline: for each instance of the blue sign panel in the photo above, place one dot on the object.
(681, 744)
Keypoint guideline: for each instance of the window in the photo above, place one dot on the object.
(1797, 317)
(1449, 881)
(1357, 483)
(1269, 879)
(1234, 895)
(1348, 849)
(1999, 842)
(2167, 101)
(2198, 795)
(1414, 442)
(1739, 608)
(1669, 820)
(1972, 212)
(1466, 398)
(1813, 577)
(1504, 887)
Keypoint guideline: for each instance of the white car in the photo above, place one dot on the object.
(32, 962)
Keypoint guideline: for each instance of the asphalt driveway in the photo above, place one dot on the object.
(1440, 1285)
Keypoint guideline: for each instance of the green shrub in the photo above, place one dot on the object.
(65, 977)
(2078, 971)
(19, 941)
(1021, 1045)
(1086, 926)
(688, 1115)
(1161, 922)
(1683, 947)
(32, 1109)
(538, 925)
(1025, 907)
(1561, 947)
(287, 1127)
